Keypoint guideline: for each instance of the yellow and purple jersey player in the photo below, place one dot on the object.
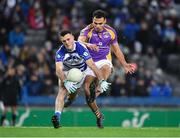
(101, 39)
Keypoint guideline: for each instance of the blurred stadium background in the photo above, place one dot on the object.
(148, 33)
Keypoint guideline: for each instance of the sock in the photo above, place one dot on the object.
(13, 119)
(97, 113)
(58, 114)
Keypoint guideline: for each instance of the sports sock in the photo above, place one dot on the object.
(95, 109)
(97, 113)
(58, 114)
(13, 119)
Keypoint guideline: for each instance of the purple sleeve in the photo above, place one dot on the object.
(114, 38)
(85, 31)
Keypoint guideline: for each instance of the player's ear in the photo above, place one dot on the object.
(60, 38)
(104, 20)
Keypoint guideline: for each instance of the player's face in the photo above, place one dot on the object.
(68, 41)
(98, 23)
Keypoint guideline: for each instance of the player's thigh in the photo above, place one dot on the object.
(106, 71)
(105, 66)
(88, 80)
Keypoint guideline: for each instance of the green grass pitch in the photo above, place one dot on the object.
(88, 132)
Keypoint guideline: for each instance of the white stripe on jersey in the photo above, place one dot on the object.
(82, 44)
(74, 60)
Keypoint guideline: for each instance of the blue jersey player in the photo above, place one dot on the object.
(72, 54)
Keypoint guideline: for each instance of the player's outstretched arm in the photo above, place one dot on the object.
(59, 71)
(128, 67)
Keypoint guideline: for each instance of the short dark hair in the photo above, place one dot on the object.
(64, 32)
(99, 14)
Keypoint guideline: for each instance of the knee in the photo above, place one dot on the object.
(59, 99)
(86, 89)
(61, 95)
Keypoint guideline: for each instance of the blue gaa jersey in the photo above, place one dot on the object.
(73, 59)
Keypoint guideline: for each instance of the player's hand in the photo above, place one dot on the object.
(93, 47)
(70, 86)
(104, 85)
(130, 68)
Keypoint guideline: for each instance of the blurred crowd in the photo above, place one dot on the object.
(148, 33)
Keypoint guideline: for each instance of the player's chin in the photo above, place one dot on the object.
(98, 29)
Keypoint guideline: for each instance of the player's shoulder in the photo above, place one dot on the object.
(61, 49)
(109, 28)
(80, 45)
(87, 28)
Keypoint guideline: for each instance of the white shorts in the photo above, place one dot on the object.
(99, 65)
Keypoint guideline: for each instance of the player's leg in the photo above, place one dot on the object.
(105, 67)
(90, 99)
(59, 104)
(106, 72)
(70, 98)
(14, 109)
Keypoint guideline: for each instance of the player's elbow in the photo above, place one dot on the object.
(58, 73)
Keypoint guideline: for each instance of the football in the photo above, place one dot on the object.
(75, 75)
